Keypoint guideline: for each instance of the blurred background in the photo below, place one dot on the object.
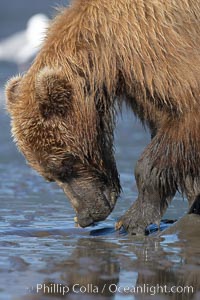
(15, 15)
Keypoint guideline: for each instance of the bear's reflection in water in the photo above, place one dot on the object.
(91, 271)
(97, 266)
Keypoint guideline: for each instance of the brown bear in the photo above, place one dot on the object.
(96, 55)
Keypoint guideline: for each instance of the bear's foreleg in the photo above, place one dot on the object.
(156, 190)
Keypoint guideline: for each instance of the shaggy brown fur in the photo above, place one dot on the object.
(98, 53)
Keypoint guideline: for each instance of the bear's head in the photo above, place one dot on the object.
(67, 138)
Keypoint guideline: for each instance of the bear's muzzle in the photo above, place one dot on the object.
(90, 203)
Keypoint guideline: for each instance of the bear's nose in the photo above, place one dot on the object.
(84, 219)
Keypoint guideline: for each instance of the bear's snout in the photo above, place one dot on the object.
(98, 209)
(91, 203)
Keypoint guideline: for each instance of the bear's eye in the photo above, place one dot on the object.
(62, 170)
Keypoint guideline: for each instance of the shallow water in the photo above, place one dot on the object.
(43, 254)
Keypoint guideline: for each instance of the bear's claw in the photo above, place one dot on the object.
(118, 225)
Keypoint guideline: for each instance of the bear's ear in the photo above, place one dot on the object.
(11, 89)
(54, 93)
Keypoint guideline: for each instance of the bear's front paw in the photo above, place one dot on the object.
(133, 225)
(140, 215)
